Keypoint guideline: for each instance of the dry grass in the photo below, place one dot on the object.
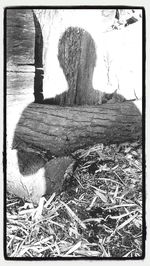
(99, 213)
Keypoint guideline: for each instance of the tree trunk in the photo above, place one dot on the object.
(77, 57)
(62, 130)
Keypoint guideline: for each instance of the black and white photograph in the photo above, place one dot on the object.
(75, 141)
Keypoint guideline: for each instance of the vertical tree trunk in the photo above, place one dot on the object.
(38, 59)
(77, 57)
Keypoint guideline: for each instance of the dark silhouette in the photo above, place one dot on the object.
(38, 57)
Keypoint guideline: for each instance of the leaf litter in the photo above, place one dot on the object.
(98, 215)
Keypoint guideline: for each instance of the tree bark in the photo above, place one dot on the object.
(62, 130)
(77, 57)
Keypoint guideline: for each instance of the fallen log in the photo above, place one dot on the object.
(44, 131)
(62, 130)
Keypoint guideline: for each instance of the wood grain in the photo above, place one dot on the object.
(62, 130)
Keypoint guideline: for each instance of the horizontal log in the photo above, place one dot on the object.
(61, 130)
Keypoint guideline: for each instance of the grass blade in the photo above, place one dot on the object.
(126, 222)
(73, 215)
(75, 247)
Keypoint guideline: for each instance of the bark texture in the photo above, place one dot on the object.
(77, 57)
(62, 130)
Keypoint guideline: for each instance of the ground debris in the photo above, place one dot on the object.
(98, 215)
